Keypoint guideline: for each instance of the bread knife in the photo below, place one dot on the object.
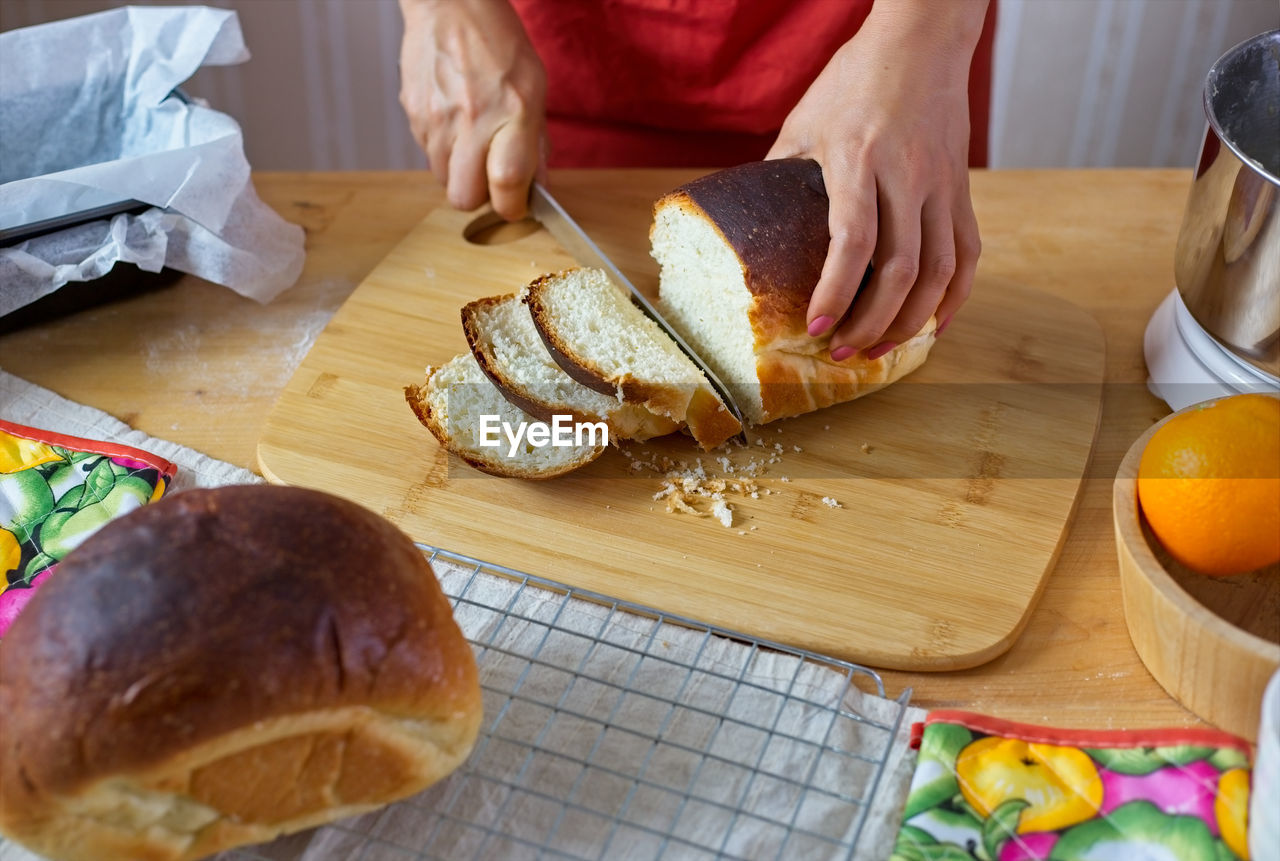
(548, 212)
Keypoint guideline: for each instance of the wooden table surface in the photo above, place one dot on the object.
(196, 364)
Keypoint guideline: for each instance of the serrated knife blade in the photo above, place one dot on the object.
(548, 212)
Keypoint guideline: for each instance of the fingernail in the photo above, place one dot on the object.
(839, 354)
(946, 321)
(880, 349)
(820, 325)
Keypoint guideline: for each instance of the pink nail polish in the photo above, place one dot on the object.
(946, 321)
(820, 325)
(839, 354)
(880, 349)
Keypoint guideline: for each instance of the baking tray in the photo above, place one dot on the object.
(95, 206)
(613, 730)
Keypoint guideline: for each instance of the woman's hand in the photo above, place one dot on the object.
(474, 91)
(888, 120)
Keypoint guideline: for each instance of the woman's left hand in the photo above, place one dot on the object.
(888, 121)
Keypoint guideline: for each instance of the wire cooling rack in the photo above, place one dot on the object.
(615, 731)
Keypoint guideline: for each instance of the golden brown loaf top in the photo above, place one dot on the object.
(183, 648)
(740, 251)
(773, 214)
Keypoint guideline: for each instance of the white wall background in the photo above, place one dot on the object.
(1077, 82)
(1110, 82)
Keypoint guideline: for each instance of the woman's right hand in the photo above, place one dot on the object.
(474, 91)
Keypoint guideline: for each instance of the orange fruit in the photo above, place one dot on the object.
(1209, 485)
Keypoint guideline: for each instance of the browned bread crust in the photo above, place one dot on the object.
(416, 396)
(700, 409)
(773, 214)
(224, 665)
(794, 383)
(628, 421)
(590, 375)
(419, 402)
(483, 351)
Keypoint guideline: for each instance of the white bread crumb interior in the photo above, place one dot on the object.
(611, 333)
(458, 394)
(518, 348)
(705, 298)
(506, 341)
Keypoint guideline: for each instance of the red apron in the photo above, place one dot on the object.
(695, 83)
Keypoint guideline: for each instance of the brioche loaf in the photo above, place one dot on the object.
(740, 252)
(224, 666)
(451, 402)
(506, 345)
(605, 342)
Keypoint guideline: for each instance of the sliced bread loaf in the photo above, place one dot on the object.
(451, 404)
(740, 252)
(506, 345)
(602, 340)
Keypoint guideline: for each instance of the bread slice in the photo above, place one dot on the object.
(740, 252)
(506, 345)
(450, 404)
(602, 340)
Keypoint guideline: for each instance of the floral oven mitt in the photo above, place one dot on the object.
(998, 791)
(55, 491)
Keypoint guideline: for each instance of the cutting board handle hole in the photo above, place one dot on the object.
(490, 228)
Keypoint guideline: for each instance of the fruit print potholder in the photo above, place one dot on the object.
(55, 491)
(995, 790)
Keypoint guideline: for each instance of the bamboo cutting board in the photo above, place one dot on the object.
(912, 529)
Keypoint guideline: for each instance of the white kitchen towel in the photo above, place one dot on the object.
(701, 740)
(35, 406)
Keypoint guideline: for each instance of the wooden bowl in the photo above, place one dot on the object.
(1211, 642)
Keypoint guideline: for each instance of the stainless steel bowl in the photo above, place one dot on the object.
(1227, 261)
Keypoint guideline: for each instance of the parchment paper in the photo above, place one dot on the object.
(89, 116)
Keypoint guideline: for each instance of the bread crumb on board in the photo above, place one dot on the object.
(721, 511)
(705, 488)
(690, 490)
